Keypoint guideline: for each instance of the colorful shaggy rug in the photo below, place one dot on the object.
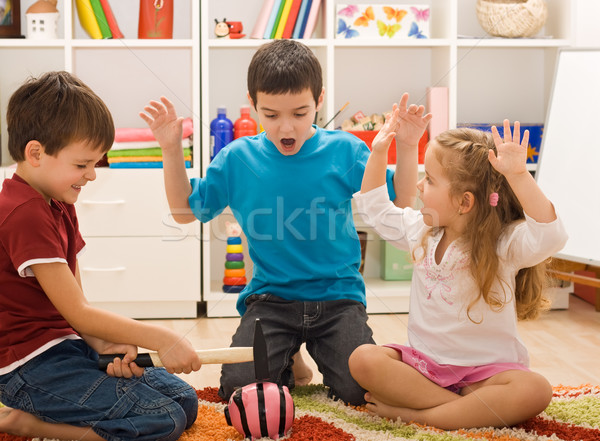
(573, 415)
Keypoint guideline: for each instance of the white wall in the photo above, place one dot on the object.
(587, 31)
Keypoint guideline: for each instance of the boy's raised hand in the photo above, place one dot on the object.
(511, 156)
(412, 122)
(164, 123)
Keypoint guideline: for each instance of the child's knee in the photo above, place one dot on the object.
(537, 392)
(172, 423)
(189, 404)
(361, 360)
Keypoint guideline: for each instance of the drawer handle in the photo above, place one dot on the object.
(116, 269)
(116, 202)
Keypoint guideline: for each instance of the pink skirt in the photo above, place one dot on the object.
(449, 376)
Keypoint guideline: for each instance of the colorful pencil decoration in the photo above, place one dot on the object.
(234, 280)
(97, 19)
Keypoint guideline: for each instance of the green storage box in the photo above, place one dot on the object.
(395, 264)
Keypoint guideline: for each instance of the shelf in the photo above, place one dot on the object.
(512, 43)
(255, 43)
(125, 43)
(372, 42)
(26, 43)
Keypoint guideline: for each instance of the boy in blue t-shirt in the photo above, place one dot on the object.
(290, 188)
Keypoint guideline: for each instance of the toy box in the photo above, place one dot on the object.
(395, 264)
(369, 135)
(535, 136)
(379, 21)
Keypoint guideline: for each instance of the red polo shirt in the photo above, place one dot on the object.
(31, 231)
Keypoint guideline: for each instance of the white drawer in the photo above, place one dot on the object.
(128, 203)
(141, 269)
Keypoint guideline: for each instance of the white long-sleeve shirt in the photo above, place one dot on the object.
(438, 324)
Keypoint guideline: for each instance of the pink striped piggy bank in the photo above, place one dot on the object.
(260, 410)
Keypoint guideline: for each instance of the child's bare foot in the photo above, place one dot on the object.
(19, 423)
(15, 422)
(302, 373)
(386, 411)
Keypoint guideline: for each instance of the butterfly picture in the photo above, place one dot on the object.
(348, 11)
(363, 20)
(345, 30)
(389, 30)
(420, 14)
(415, 31)
(393, 13)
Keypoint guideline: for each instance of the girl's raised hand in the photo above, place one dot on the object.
(412, 122)
(386, 134)
(511, 156)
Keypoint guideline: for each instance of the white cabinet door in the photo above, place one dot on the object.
(142, 274)
(128, 203)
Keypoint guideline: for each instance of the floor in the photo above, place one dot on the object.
(563, 344)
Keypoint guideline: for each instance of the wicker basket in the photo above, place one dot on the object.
(512, 18)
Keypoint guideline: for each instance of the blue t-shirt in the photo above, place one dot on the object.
(295, 212)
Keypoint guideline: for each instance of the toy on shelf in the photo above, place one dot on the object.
(366, 128)
(221, 28)
(235, 272)
(235, 29)
(42, 20)
(156, 19)
(229, 29)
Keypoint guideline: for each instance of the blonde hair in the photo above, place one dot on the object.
(463, 153)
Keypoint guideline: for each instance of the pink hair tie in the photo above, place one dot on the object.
(494, 199)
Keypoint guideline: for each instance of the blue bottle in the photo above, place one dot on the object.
(221, 132)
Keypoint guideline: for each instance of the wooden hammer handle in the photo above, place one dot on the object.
(208, 356)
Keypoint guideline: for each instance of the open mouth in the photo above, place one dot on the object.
(288, 144)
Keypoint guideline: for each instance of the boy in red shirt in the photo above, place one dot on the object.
(50, 336)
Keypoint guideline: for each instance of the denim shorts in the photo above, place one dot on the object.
(331, 330)
(64, 385)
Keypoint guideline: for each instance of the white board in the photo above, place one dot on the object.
(569, 163)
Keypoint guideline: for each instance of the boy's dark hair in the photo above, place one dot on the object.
(284, 66)
(57, 109)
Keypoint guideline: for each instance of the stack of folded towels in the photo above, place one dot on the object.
(137, 148)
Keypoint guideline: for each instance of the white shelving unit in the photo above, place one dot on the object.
(488, 79)
(138, 262)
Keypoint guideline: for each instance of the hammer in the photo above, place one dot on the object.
(208, 356)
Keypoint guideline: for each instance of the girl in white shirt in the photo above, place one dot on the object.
(479, 246)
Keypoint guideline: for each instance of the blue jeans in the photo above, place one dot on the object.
(331, 329)
(64, 385)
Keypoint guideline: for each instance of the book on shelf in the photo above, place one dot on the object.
(288, 30)
(283, 19)
(311, 21)
(286, 19)
(301, 20)
(437, 105)
(272, 17)
(278, 14)
(263, 19)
